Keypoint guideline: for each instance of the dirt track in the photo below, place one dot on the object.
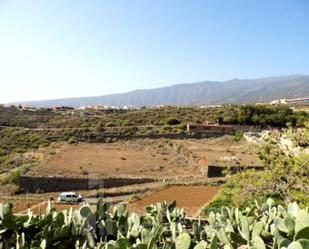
(191, 198)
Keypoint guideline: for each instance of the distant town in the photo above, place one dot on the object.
(68, 109)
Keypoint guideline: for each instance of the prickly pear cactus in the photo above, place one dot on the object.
(259, 226)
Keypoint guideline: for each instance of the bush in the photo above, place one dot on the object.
(99, 128)
(72, 140)
(237, 136)
(2, 152)
(110, 124)
(11, 189)
(182, 127)
(285, 175)
(17, 173)
(267, 115)
(127, 123)
(108, 140)
(172, 121)
(217, 204)
(166, 129)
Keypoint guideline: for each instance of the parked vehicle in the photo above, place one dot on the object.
(69, 197)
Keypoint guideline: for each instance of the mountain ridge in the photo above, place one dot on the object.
(234, 91)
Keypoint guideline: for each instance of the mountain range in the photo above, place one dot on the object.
(236, 91)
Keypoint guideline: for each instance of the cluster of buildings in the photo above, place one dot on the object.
(68, 108)
(32, 108)
(18, 107)
(287, 101)
(106, 107)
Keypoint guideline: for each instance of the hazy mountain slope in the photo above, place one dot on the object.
(208, 92)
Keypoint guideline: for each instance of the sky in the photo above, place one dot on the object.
(72, 48)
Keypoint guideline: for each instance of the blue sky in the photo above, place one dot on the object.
(66, 48)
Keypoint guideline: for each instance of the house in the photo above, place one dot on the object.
(27, 108)
(11, 107)
(211, 106)
(278, 102)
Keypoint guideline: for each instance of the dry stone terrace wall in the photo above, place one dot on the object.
(220, 171)
(56, 184)
(101, 137)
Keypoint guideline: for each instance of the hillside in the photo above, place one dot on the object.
(236, 91)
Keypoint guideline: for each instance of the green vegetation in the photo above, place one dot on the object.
(72, 140)
(285, 177)
(15, 142)
(162, 226)
(21, 140)
(277, 223)
(265, 115)
(237, 136)
(278, 116)
(99, 128)
(172, 121)
(44, 126)
(17, 173)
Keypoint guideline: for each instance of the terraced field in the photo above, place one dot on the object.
(144, 158)
(191, 198)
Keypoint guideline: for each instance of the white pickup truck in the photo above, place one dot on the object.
(70, 197)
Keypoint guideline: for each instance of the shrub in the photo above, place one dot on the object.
(237, 136)
(17, 173)
(110, 124)
(11, 189)
(99, 128)
(172, 121)
(166, 129)
(2, 152)
(217, 204)
(108, 140)
(285, 175)
(182, 127)
(72, 140)
(126, 123)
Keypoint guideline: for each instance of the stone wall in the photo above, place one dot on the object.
(58, 184)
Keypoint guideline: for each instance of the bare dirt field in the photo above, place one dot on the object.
(20, 204)
(167, 161)
(108, 160)
(191, 198)
(162, 158)
(40, 209)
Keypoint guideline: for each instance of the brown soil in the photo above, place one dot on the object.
(108, 160)
(20, 204)
(220, 151)
(143, 158)
(191, 198)
(58, 206)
